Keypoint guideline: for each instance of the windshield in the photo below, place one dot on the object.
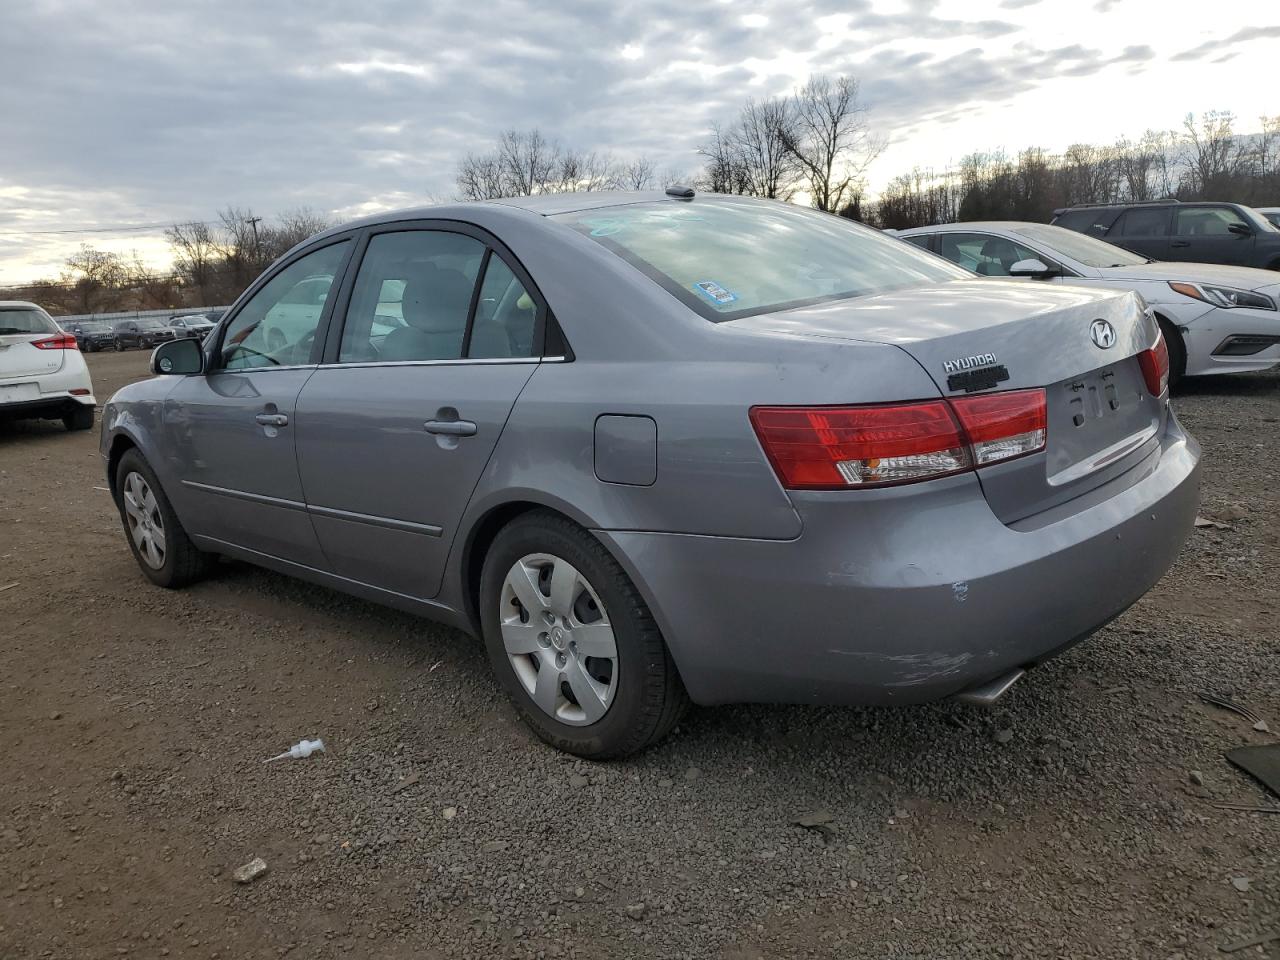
(731, 258)
(25, 320)
(1260, 220)
(94, 327)
(1079, 247)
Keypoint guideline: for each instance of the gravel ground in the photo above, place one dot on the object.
(1064, 823)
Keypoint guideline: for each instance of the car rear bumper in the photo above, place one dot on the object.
(49, 406)
(909, 594)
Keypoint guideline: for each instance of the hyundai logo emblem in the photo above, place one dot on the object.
(1103, 334)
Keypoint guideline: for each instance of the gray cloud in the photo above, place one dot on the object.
(142, 111)
(1223, 46)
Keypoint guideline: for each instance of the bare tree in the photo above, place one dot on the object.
(290, 228)
(768, 167)
(583, 171)
(637, 174)
(723, 171)
(93, 274)
(480, 177)
(195, 254)
(1215, 156)
(529, 161)
(828, 136)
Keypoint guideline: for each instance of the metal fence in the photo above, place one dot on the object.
(136, 314)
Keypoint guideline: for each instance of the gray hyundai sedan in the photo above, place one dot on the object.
(662, 447)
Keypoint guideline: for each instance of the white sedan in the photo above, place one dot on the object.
(1216, 319)
(42, 373)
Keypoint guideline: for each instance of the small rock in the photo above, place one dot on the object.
(1196, 777)
(693, 773)
(578, 781)
(250, 871)
(1241, 884)
(635, 911)
(494, 846)
(56, 715)
(450, 812)
(664, 783)
(1003, 735)
(814, 820)
(1261, 727)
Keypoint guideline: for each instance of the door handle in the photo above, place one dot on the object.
(451, 428)
(1180, 243)
(272, 419)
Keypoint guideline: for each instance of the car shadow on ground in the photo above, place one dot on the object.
(26, 431)
(1228, 385)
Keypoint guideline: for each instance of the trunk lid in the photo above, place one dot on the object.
(18, 358)
(975, 336)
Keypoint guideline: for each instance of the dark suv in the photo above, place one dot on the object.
(1169, 230)
(141, 333)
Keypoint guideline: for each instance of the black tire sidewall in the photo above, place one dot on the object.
(611, 734)
(134, 462)
(1177, 353)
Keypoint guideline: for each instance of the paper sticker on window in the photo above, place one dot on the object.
(714, 292)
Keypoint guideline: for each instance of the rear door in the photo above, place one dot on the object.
(233, 429)
(22, 362)
(440, 333)
(1204, 234)
(1144, 230)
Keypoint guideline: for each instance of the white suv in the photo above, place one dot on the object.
(42, 374)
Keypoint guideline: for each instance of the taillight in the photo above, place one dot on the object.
(1155, 366)
(63, 341)
(1001, 426)
(834, 448)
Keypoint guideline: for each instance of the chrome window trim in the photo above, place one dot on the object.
(438, 363)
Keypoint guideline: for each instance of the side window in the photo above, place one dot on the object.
(984, 254)
(412, 297)
(1144, 222)
(506, 316)
(920, 240)
(1206, 221)
(277, 327)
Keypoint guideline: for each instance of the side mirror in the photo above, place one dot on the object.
(1240, 229)
(1031, 268)
(178, 358)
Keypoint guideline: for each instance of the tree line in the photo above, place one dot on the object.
(814, 144)
(212, 263)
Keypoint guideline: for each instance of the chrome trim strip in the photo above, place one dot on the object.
(427, 529)
(245, 495)
(430, 363)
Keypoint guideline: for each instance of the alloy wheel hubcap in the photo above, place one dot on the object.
(142, 514)
(559, 639)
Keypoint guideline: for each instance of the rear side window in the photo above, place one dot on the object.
(1206, 221)
(725, 258)
(984, 254)
(920, 240)
(20, 320)
(1144, 222)
(506, 316)
(1092, 220)
(412, 297)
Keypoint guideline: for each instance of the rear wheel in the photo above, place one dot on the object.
(573, 642)
(81, 418)
(1177, 352)
(159, 543)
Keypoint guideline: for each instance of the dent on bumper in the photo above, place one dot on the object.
(908, 595)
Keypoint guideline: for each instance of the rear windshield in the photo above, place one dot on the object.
(728, 258)
(150, 325)
(24, 320)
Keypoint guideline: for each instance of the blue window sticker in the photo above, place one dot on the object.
(602, 227)
(714, 292)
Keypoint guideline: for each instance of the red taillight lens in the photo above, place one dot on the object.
(1155, 366)
(834, 448)
(63, 341)
(1002, 425)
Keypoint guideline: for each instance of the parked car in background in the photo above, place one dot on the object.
(42, 374)
(1227, 233)
(195, 325)
(1215, 319)
(92, 335)
(144, 332)
(650, 445)
(1271, 213)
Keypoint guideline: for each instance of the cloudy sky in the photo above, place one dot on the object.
(132, 112)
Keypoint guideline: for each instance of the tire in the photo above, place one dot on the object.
(1177, 352)
(120, 347)
(643, 696)
(180, 562)
(79, 419)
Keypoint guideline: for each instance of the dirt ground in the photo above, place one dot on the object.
(1067, 822)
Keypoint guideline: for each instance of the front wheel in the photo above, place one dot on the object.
(1177, 352)
(158, 541)
(120, 346)
(573, 642)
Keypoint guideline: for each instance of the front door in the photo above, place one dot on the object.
(394, 433)
(234, 428)
(1208, 235)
